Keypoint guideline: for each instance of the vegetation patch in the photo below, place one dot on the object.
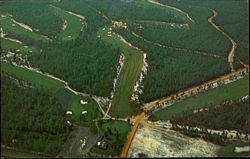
(73, 25)
(36, 14)
(38, 80)
(122, 105)
(232, 91)
(115, 135)
(38, 125)
(17, 32)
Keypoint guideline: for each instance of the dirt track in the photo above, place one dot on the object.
(234, 44)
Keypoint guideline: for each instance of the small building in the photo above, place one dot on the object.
(103, 29)
(83, 102)
(102, 145)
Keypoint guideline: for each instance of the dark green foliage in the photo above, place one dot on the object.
(233, 19)
(136, 10)
(63, 96)
(34, 119)
(87, 64)
(230, 116)
(37, 14)
(174, 70)
(115, 134)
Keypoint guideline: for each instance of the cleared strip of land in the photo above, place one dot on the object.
(121, 105)
(74, 24)
(7, 43)
(215, 96)
(10, 27)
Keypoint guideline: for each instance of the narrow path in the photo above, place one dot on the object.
(177, 9)
(234, 44)
(177, 48)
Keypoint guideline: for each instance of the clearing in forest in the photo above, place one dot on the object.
(15, 30)
(232, 91)
(72, 26)
(121, 105)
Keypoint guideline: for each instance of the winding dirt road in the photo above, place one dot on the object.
(234, 44)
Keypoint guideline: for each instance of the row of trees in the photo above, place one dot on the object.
(174, 70)
(31, 119)
(229, 116)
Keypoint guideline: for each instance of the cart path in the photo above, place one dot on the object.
(230, 58)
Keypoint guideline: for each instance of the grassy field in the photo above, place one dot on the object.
(8, 45)
(74, 25)
(211, 97)
(228, 150)
(91, 107)
(36, 79)
(19, 154)
(53, 86)
(13, 28)
(121, 106)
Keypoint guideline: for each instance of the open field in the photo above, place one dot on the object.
(73, 25)
(121, 105)
(36, 79)
(48, 84)
(228, 150)
(9, 45)
(16, 31)
(232, 91)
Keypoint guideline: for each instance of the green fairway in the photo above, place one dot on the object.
(9, 45)
(74, 25)
(91, 107)
(228, 150)
(53, 86)
(211, 97)
(121, 105)
(14, 29)
(36, 79)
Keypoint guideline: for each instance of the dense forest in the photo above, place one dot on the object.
(37, 14)
(174, 70)
(233, 19)
(31, 119)
(136, 10)
(229, 116)
(88, 64)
